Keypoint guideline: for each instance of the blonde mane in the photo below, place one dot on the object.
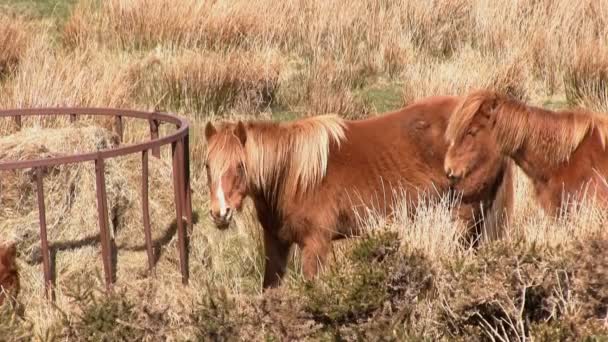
(554, 134)
(292, 156)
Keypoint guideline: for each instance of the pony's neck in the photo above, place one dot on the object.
(265, 162)
(286, 160)
(538, 140)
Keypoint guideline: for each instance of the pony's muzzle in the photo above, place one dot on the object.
(221, 220)
(453, 176)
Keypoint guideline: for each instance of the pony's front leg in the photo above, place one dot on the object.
(277, 252)
(314, 254)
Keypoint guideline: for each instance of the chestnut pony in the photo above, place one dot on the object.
(311, 180)
(9, 278)
(563, 153)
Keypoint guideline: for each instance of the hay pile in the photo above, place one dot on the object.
(71, 204)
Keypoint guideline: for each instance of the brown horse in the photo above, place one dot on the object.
(311, 180)
(563, 153)
(9, 277)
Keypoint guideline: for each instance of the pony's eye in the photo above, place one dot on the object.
(472, 132)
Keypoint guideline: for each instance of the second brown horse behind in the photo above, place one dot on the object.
(563, 153)
(311, 180)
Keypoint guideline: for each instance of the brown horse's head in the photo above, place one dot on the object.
(226, 170)
(9, 282)
(473, 159)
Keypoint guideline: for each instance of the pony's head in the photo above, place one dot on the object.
(225, 165)
(8, 271)
(473, 159)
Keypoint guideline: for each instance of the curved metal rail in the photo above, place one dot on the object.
(179, 141)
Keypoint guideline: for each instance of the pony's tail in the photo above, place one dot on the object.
(497, 218)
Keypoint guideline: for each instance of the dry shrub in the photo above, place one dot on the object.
(554, 31)
(217, 82)
(81, 78)
(327, 85)
(14, 37)
(509, 289)
(586, 78)
(468, 70)
(439, 26)
(133, 23)
(191, 23)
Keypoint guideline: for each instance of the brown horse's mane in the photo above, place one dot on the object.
(290, 155)
(556, 134)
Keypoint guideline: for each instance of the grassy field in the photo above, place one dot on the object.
(404, 280)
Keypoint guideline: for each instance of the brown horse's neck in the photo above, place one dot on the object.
(288, 160)
(538, 140)
(265, 163)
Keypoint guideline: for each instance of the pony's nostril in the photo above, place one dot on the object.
(452, 176)
(448, 172)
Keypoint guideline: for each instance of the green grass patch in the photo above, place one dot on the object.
(382, 98)
(59, 9)
(556, 103)
(285, 115)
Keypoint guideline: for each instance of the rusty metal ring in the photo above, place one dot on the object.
(179, 141)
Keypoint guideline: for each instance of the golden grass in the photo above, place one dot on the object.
(586, 77)
(14, 36)
(85, 78)
(467, 71)
(203, 82)
(205, 59)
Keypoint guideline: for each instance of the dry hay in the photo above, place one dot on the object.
(71, 208)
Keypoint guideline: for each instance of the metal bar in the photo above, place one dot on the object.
(46, 262)
(145, 209)
(154, 135)
(18, 122)
(119, 128)
(102, 211)
(178, 188)
(181, 176)
(107, 153)
(188, 197)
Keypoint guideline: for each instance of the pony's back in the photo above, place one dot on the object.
(400, 154)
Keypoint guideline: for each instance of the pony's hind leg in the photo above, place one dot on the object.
(277, 252)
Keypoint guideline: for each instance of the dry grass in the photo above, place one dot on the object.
(14, 36)
(468, 70)
(202, 82)
(205, 59)
(86, 78)
(586, 78)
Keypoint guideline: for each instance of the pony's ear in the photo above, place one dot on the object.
(488, 108)
(489, 105)
(241, 132)
(209, 130)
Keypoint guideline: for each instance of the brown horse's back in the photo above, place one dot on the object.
(383, 156)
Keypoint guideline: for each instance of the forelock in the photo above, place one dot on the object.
(223, 150)
(465, 113)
